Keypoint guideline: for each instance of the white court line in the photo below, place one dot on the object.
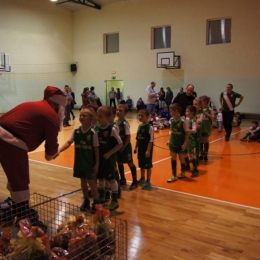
(170, 190)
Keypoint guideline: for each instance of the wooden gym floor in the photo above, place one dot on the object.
(213, 216)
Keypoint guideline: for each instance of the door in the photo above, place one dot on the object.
(114, 84)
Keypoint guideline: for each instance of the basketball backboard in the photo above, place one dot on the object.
(5, 62)
(168, 60)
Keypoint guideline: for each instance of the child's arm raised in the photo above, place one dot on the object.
(186, 128)
(65, 146)
(117, 147)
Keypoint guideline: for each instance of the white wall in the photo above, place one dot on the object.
(38, 37)
(43, 39)
(208, 67)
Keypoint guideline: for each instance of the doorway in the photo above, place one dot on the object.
(113, 84)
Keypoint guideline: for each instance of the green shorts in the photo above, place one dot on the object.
(177, 150)
(85, 175)
(145, 163)
(106, 169)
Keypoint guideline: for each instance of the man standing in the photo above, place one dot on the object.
(151, 97)
(227, 101)
(112, 97)
(22, 130)
(67, 107)
(185, 99)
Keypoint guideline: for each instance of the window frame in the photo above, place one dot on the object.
(105, 42)
(153, 35)
(208, 30)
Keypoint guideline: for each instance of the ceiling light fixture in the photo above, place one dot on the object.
(53, 0)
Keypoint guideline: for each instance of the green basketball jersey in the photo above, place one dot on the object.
(178, 133)
(143, 138)
(84, 150)
(206, 122)
(106, 141)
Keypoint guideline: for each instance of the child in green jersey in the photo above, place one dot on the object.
(178, 142)
(109, 143)
(124, 155)
(86, 157)
(192, 143)
(206, 125)
(144, 148)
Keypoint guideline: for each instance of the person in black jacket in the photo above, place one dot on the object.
(168, 97)
(185, 99)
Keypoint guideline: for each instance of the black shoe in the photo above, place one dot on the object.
(201, 158)
(195, 173)
(205, 158)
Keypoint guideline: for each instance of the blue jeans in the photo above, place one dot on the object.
(150, 108)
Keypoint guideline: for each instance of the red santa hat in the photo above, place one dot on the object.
(55, 95)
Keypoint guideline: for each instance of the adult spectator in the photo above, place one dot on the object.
(169, 97)
(67, 107)
(85, 100)
(119, 96)
(22, 130)
(181, 91)
(129, 103)
(72, 103)
(151, 97)
(185, 99)
(93, 97)
(112, 97)
(228, 103)
(140, 104)
(161, 95)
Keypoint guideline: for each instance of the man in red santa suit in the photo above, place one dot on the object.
(22, 130)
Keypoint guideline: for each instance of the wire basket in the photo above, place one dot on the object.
(53, 212)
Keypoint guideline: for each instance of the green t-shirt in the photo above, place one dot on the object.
(232, 97)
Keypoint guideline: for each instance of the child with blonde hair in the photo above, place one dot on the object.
(86, 157)
(178, 141)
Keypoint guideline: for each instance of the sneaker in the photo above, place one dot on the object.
(201, 158)
(122, 182)
(172, 179)
(258, 140)
(93, 208)
(141, 182)
(85, 205)
(205, 158)
(243, 139)
(147, 186)
(133, 186)
(195, 173)
(182, 175)
(113, 205)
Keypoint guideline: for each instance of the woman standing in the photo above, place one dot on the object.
(169, 97)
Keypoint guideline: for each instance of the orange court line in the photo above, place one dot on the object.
(230, 174)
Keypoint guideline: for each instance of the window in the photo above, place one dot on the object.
(219, 31)
(161, 37)
(111, 43)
